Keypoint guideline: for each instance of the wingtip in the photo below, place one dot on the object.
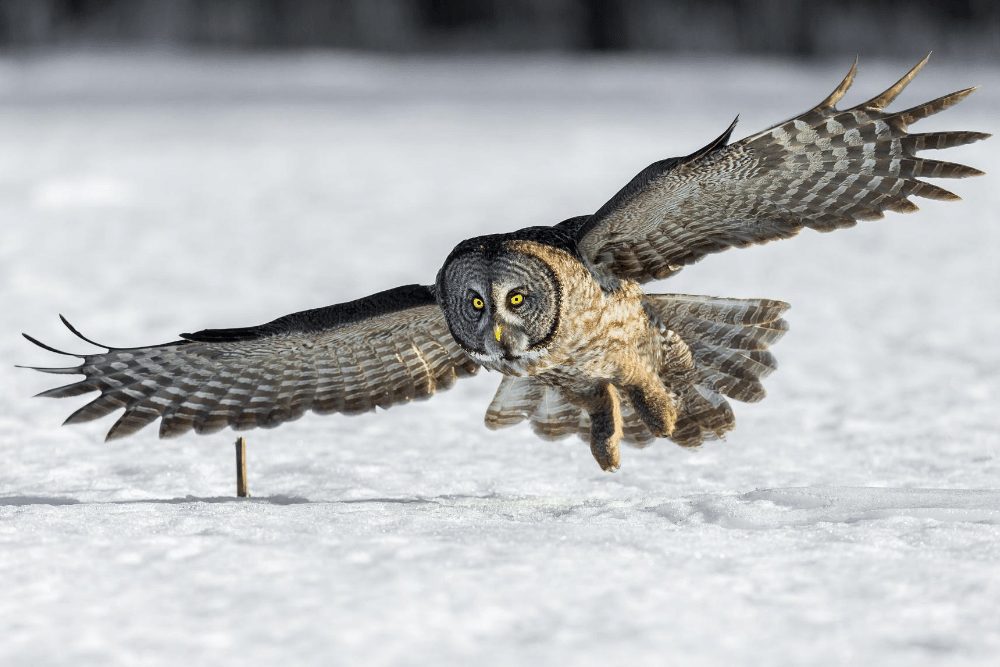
(960, 95)
(885, 98)
(54, 370)
(719, 142)
(79, 335)
(921, 111)
(725, 137)
(831, 100)
(35, 341)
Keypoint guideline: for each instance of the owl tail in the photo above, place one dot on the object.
(727, 340)
(551, 416)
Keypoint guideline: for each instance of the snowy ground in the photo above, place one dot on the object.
(852, 518)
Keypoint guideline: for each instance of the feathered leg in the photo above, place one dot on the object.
(604, 408)
(655, 406)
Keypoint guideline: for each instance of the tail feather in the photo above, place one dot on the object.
(514, 402)
(742, 364)
(680, 309)
(554, 417)
(705, 415)
(741, 389)
(735, 336)
(728, 340)
(550, 415)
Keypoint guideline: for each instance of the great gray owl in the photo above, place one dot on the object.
(559, 310)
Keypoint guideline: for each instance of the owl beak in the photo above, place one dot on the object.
(497, 331)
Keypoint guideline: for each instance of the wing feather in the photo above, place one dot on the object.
(386, 349)
(825, 169)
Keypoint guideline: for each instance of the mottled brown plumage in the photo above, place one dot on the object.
(559, 310)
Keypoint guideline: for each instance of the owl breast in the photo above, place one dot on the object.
(602, 332)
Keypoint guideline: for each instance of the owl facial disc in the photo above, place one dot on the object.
(501, 304)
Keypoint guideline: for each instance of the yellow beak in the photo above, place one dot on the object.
(497, 330)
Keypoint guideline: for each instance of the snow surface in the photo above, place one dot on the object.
(852, 518)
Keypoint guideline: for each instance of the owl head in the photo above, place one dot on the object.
(500, 300)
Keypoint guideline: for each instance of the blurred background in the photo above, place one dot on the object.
(815, 28)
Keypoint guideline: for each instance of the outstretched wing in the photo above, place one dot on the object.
(388, 348)
(825, 169)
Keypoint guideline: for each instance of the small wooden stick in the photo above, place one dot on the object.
(241, 468)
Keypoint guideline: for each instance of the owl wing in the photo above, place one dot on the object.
(388, 348)
(825, 169)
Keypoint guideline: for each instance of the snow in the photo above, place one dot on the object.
(853, 517)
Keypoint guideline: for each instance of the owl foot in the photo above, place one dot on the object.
(606, 453)
(655, 406)
(606, 428)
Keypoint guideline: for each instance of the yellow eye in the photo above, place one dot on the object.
(478, 303)
(516, 299)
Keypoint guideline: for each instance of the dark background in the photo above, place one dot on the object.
(885, 27)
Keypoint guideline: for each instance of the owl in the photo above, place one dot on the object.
(558, 311)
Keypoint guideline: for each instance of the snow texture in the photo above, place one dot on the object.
(853, 517)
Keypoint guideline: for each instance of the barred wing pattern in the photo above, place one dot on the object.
(382, 350)
(825, 169)
(728, 340)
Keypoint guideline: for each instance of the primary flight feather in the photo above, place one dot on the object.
(559, 310)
